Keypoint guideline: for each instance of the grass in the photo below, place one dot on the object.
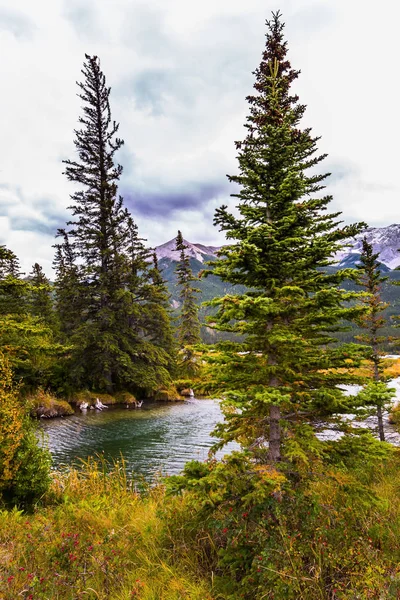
(96, 539)
(46, 405)
(99, 535)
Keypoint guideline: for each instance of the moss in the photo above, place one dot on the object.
(169, 394)
(125, 398)
(90, 398)
(47, 406)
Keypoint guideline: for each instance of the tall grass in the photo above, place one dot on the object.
(96, 538)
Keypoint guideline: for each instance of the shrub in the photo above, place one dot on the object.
(24, 465)
(280, 535)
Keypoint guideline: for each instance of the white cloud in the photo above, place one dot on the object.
(180, 72)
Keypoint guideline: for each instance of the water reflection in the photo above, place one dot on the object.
(156, 438)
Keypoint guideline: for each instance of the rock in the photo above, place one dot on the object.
(187, 392)
(46, 406)
(99, 405)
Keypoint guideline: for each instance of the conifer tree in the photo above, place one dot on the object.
(102, 271)
(41, 302)
(13, 290)
(70, 290)
(27, 339)
(376, 391)
(279, 246)
(159, 323)
(189, 324)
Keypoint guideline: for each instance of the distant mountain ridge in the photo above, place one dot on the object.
(385, 240)
(197, 251)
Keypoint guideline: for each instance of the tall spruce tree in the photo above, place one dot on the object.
(285, 374)
(159, 320)
(188, 321)
(189, 324)
(376, 392)
(41, 302)
(101, 263)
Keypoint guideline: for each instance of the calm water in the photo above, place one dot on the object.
(155, 438)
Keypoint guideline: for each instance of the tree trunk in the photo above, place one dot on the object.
(377, 377)
(380, 424)
(274, 434)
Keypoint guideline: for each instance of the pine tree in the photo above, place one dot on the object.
(159, 320)
(284, 375)
(376, 392)
(13, 290)
(70, 290)
(102, 271)
(41, 302)
(189, 324)
(27, 339)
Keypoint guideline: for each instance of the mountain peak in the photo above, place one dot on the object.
(197, 251)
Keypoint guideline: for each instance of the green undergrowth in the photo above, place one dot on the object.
(97, 538)
(328, 529)
(221, 531)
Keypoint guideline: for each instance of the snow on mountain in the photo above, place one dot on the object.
(385, 240)
(197, 251)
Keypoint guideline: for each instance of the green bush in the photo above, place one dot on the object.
(277, 534)
(32, 478)
(24, 465)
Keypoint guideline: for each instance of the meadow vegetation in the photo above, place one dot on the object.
(237, 531)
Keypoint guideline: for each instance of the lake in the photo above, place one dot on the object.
(158, 437)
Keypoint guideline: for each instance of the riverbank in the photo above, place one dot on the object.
(45, 405)
(95, 538)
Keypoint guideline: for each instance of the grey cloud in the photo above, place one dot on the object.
(215, 59)
(351, 174)
(373, 186)
(19, 25)
(340, 171)
(31, 224)
(144, 29)
(147, 89)
(49, 208)
(164, 204)
(82, 15)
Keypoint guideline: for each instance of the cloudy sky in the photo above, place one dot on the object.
(179, 72)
